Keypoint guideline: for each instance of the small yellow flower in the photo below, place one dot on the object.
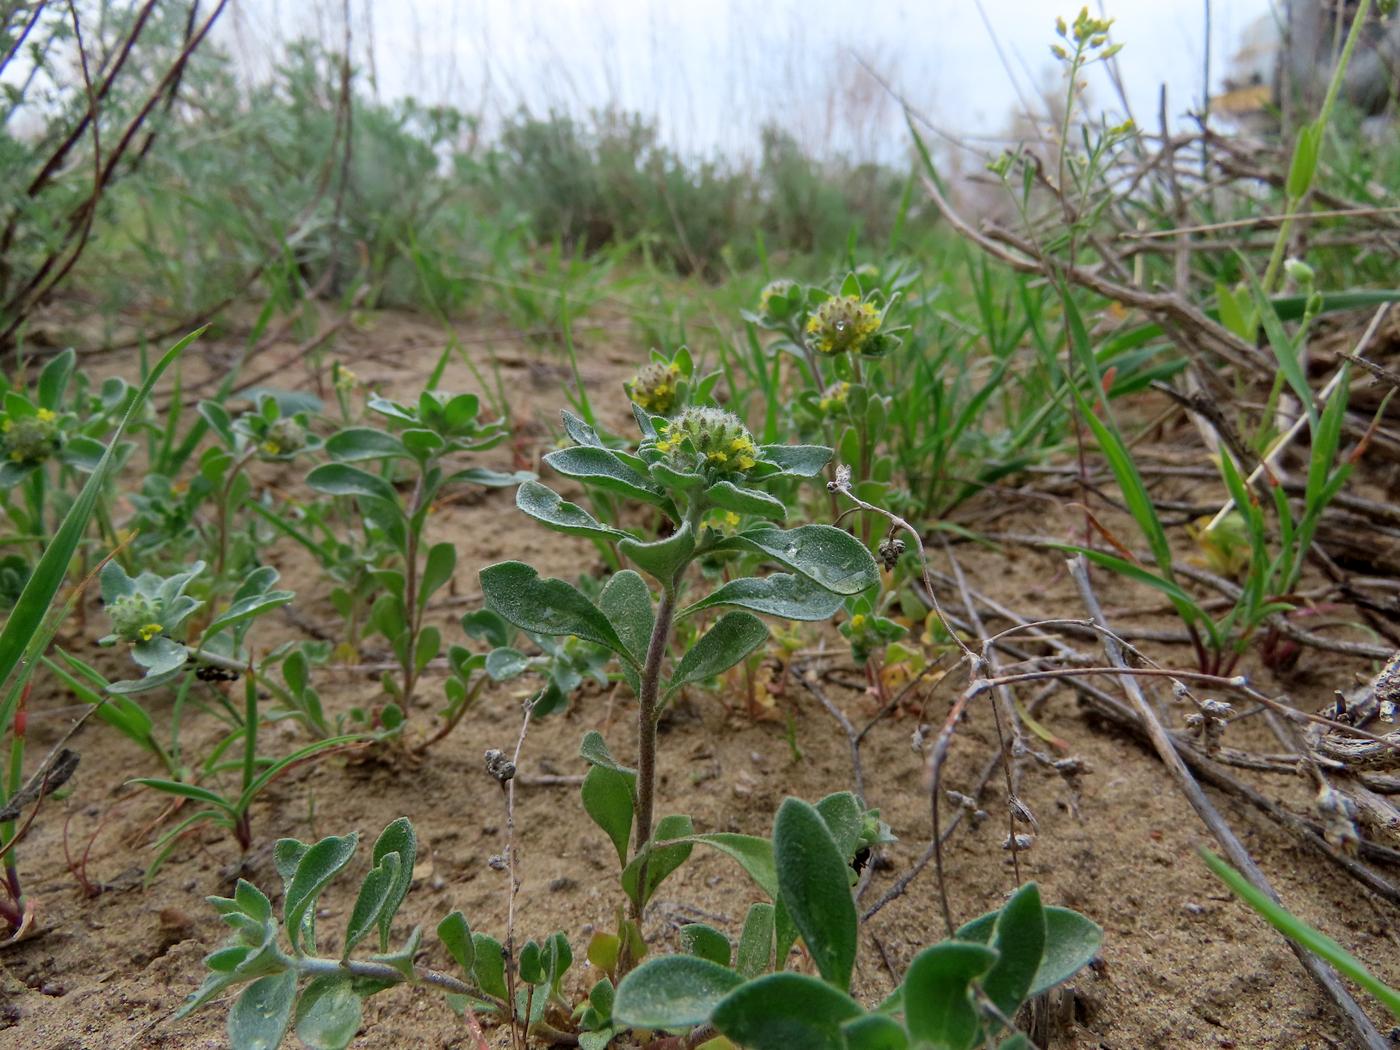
(345, 379)
(46, 415)
(730, 518)
(842, 323)
(270, 447)
(654, 387)
(857, 621)
(149, 631)
(718, 457)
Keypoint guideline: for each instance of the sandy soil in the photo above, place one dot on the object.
(1183, 964)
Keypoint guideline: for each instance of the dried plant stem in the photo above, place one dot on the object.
(1320, 971)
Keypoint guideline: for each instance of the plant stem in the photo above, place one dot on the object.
(250, 747)
(224, 495)
(1285, 230)
(415, 614)
(646, 735)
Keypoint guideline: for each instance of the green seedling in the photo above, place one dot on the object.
(285, 984)
(413, 448)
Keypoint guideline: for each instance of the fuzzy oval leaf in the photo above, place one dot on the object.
(1019, 940)
(661, 860)
(549, 508)
(823, 553)
(782, 595)
(626, 602)
(318, 865)
(259, 1017)
(732, 638)
(593, 749)
(1071, 941)
(755, 856)
(360, 443)
(784, 1011)
(489, 968)
(456, 937)
(938, 1007)
(607, 799)
(370, 901)
(875, 1032)
(340, 479)
(437, 570)
(546, 606)
(672, 992)
(845, 819)
(727, 496)
(329, 1012)
(814, 886)
(801, 461)
(661, 558)
(602, 469)
(397, 837)
(705, 942)
(754, 955)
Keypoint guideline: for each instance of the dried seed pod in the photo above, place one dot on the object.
(498, 766)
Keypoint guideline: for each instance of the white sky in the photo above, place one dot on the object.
(714, 71)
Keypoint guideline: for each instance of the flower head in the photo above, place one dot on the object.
(134, 617)
(31, 439)
(842, 323)
(775, 301)
(654, 387)
(710, 439)
(284, 437)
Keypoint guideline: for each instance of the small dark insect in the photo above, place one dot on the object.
(861, 859)
(210, 673)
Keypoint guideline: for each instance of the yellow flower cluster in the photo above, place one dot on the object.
(842, 323)
(31, 439)
(149, 631)
(654, 387)
(719, 438)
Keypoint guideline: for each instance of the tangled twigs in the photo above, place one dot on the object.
(1321, 972)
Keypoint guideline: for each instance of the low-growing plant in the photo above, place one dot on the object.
(29, 630)
(414, 448)
(700, 461)
(955, 995)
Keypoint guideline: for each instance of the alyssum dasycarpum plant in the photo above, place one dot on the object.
(413, 449)
(958, 994)
(832, 334)
(701, 461)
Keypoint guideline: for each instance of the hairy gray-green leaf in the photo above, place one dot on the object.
(661, 859)
(340, 479)
(875, 1032)
(938, 1005)
(814, 886)
(259, 1017)
(549, 508)
(727, 496)
(546, 606)
(755, 953)
(602, 469)
(329, 1012)
(705, 942)
(782, 595)
(626, 602)
(672, 992)
(607, 798)
(784, 1011)
(318, 865)
(661, 558)
(397, 837)
(1019, 941)
(1071, 941)
(374, 894)
(845, 819)
(456, 937)
(732, 638)
(828, 555)
(803, 461)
